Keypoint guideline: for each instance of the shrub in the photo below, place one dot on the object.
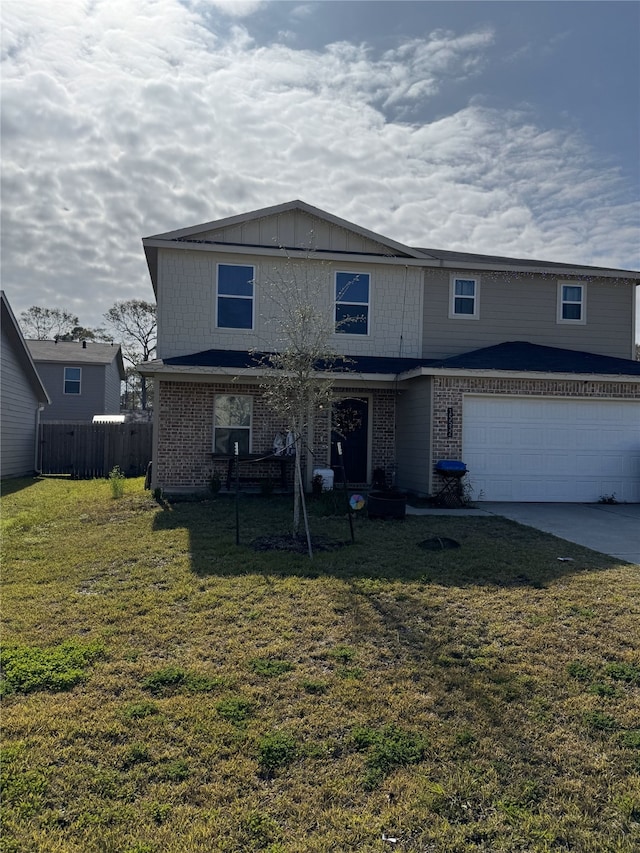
(116, 482)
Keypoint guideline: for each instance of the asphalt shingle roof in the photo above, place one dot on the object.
(518, 356)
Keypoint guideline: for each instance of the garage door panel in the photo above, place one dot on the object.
(541, 449)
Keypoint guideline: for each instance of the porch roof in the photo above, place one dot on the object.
(522, 356)
(508, 357)
(240, 359)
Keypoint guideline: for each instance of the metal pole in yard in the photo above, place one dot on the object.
(236, 451)
(346, 490)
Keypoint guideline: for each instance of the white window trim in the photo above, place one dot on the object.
(250, 427)
(226, 296)
(336, 301)
(65, 380)
(583, 304)
(452, 296)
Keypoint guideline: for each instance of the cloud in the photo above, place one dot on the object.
(124, 118)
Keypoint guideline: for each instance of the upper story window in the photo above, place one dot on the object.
(572, 307)
(352, 303)
(72, 379)
(232, 423)
(234, 296)
(464, 297)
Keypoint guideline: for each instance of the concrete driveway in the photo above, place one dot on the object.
(612, 529)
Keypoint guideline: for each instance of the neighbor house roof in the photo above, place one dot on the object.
(77, 352)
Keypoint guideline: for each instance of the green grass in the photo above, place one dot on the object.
(167, 691)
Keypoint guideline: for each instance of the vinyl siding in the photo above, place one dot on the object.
(73, 407)
(111, 390)
(523, 307)
(187, 305)
(413, 436)
(18, 404)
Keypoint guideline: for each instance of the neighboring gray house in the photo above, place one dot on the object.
(82, 378)
(522, 369)
(22, 399)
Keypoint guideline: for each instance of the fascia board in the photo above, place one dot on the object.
(267, 251)
(583, 272)
(516, 374)
(188, 372)
(158, 242)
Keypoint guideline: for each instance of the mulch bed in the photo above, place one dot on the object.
(294, 544)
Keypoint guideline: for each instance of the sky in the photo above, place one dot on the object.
(508, 128)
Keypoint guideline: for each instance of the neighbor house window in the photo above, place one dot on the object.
(464, 297)
(352, 303)
(72, 377)
(235, 296)
(232, 423)
(571, 303)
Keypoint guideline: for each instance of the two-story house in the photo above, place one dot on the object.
(82, 378)
(522, 369)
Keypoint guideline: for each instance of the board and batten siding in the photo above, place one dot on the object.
(413, 436)
(296, 229)
(19, 405)
(187, 305)
(515, 307)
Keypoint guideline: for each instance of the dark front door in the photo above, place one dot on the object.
(351, 427)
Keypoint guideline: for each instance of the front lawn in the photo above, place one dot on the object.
(167, 691)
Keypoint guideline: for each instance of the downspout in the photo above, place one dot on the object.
(36, 455)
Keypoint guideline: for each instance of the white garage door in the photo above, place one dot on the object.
(549, 450)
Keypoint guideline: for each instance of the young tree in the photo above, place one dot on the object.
(302, 371)
(42, 324)
(135, 324)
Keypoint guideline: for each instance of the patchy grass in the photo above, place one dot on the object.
(170, 692)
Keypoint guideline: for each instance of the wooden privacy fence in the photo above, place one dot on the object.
(87, 450)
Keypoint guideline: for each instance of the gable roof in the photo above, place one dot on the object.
(522, 356)
(196, 237)
(12, 332)
(296, 204)
(75, 352)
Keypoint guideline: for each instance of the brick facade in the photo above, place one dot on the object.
(185, 433)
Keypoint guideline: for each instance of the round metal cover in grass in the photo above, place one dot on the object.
(438, 543)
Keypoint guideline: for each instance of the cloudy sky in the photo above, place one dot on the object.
(498, 127)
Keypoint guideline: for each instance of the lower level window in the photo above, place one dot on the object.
(231, 424)
(72, 377)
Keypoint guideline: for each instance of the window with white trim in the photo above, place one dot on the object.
(72, 380)
(572, 306)
(232, 423)
(464, 297)
(352, 303)
(234, 296)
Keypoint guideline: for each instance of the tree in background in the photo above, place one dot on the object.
(42, 324)
(135, 323)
